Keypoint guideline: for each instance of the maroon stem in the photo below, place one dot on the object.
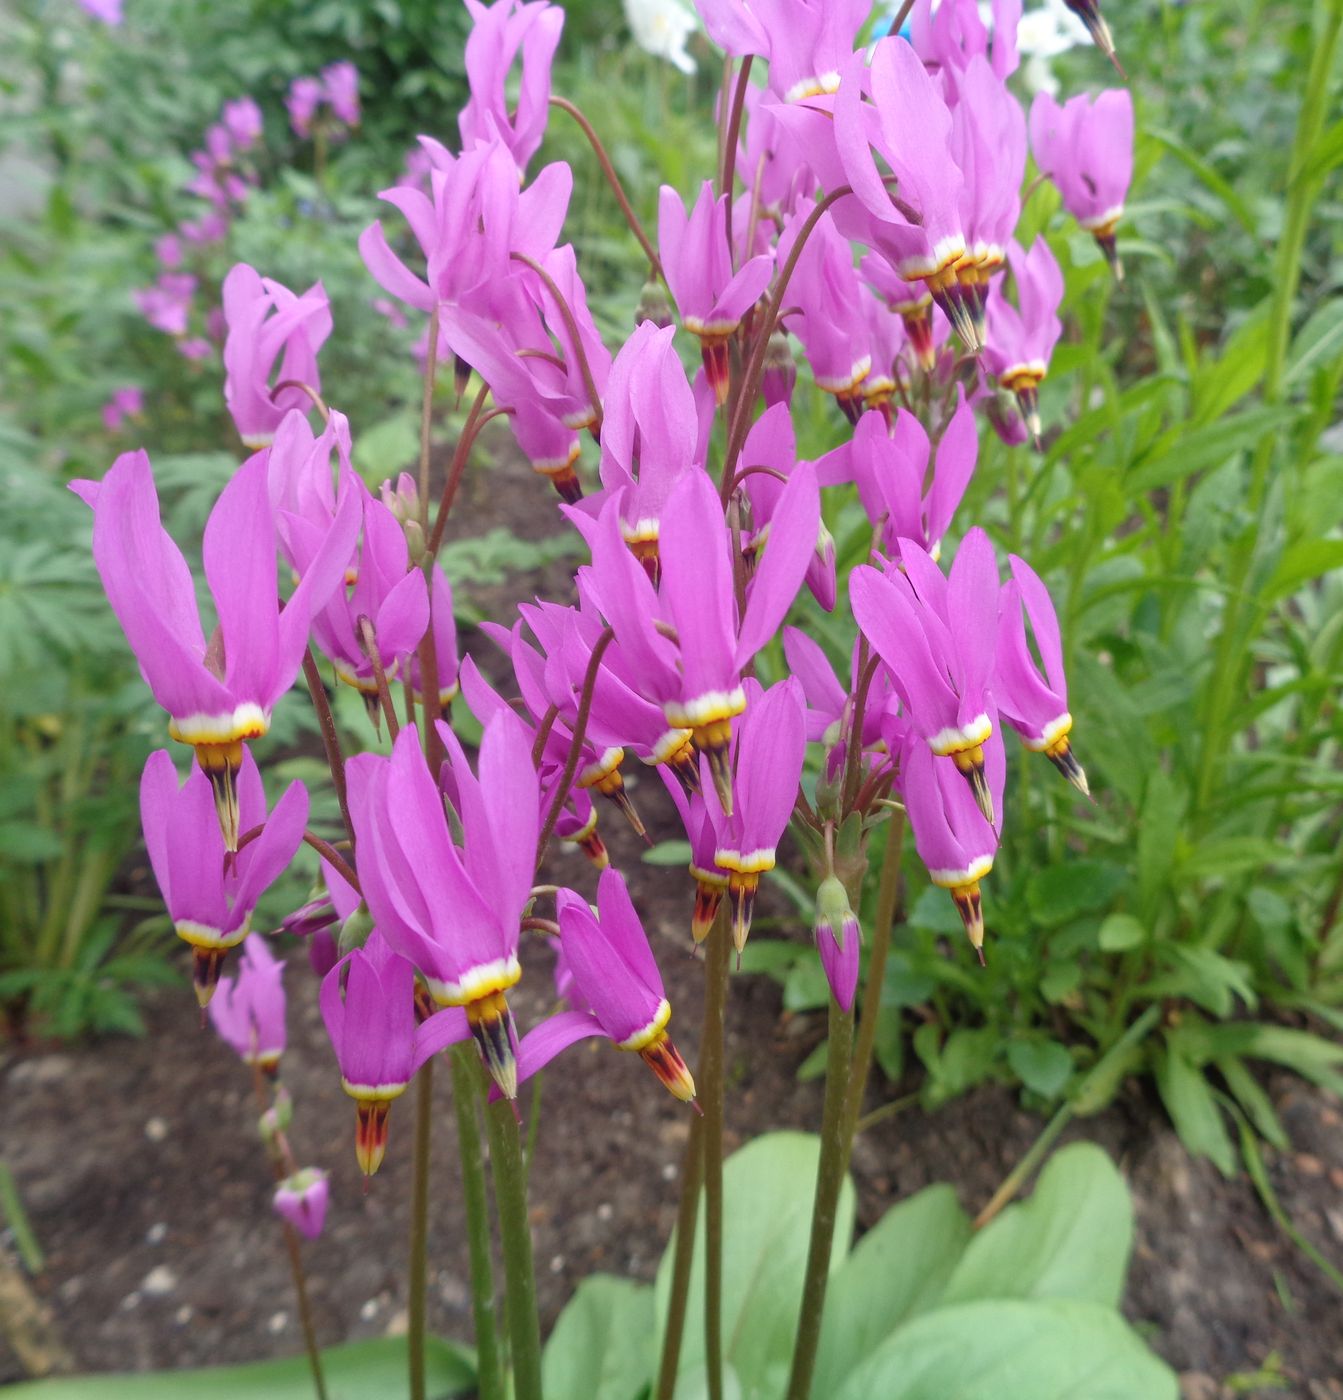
(730, 147)
(612, 179)
(575, 743)
(459, 456)
(369, 638)
(335, 761)
(571, 325)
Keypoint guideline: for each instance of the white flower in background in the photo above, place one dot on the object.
(1044, 33)
(662, 27)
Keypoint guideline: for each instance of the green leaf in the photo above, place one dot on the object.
(933, 910)
(1204, 976)
(1012, 1350)
(1043, 1066)
(1162, 809)
(374, 1367)
(1317, 341)
(1302, 563)
(1070, 1240)
(1229, 855)
(1194, 1111)
(1062, 892)
(1249, 1093)
(897, 1271)
(1121, 932)
(668, 853)
(1180, 453)
(768, 1188)
(599, 1348)
(1309, 1055)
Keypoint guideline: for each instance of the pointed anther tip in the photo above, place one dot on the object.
(982, 961)
(694, 1103)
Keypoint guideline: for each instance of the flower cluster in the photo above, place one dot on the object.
(330, 101)
(869, 234)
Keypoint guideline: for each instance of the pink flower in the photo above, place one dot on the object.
(373, 1031)
(499, 33)
(301, 1199)
(1035, 706)
(453, 911)
(210, 897)
(168, 250)
(305, 96)
(1086, 148)
(248, 1010)
(266, 320)
(769, 748)
(710, 297)
(616, 978)
(951, 35)
(125, 403)
(837, 936)
(340, 87)
(938, 637)
(219, 695)
(1019, 342)
(242, 119)
(167, 304)
(109, 11)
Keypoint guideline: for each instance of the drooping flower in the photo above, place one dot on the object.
(952, 837)
(951, 33)
(248, 1010)
(768, 752)
(301, 1199)
(838, 935)
(1086, 149)
(109, 11)
(340, 87)
(242, 120)
(373, 1031)
(210, 896)
(1020, 339)
(616, 977)
(895, 485)
(266, 321)
(697, 677)
(499, 33)
(454, 912)
(1036, 707)
(905, 101)
(938, 635)
(305, 96)
(217, 695)
(127, 402)
(710, 297)
(167, 304)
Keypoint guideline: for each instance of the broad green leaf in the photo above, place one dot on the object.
(1043, 1066)
(1058, 893)
(1070, 1240)
(1180, 453)
(1120, 932)
(1012, 1350)
(1319, 340)
(1309, 1055)
(1229, 855)
(1304, 562)
(1194, 1111)
(668, 853)
(354, 1371)
(768, 1188)
(897, 1271)
(599, 1348)
(933, 910)
(1204, 976)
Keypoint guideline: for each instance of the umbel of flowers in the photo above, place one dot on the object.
(863, 226)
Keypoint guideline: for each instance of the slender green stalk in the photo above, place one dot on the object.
(829, 1181)
(1021, 1173)
(419, 1227)
(489, 1370)
(510, 1194)
(710, 1088)
(687, 1218)
(887, 892)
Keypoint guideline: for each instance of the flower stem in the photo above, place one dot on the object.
(326, 721)
(489, 1371)
(304, 1310)
(710, 1088)
(829, 1181)
(427, 415)
(369, 639)
(419, 1227)
(887, 892)
(571, 325)
(612, 179)
(510, 1194)
(474, 422)
(687, 1218)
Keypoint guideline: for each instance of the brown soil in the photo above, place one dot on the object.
(140, 1168)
